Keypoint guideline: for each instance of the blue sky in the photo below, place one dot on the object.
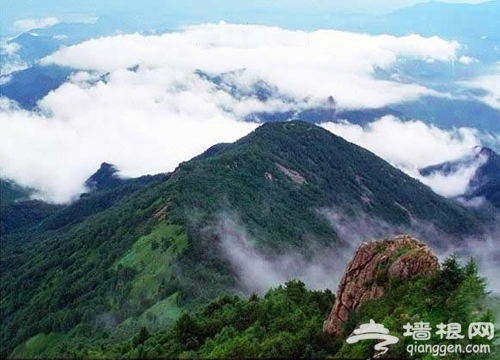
(71, 10)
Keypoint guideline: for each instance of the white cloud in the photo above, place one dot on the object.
(4, 79)
(149, 119)
(11, 61)
(490, 84)
(303, 64)
(257, 271)
(56, 154)
(8, 105)
(455, 183)
(11, 66)
(11, 48)
(467, 60)
(414, 145)
(60, 37)
(28, 24)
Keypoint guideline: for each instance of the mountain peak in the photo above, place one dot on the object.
(487, 151)
(296, 130)
(104, 178)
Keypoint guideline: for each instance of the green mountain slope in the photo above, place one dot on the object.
(287, 322)
(28, 216)
(11, 192)
(140, 259)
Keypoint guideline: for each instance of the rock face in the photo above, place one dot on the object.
(368, 273)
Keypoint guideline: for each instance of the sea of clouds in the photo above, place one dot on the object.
(139, 102)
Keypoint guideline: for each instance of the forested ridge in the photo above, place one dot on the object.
(140, 254)
(287, 322)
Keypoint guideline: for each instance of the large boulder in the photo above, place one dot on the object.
(367, 275)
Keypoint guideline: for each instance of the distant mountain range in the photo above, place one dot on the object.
(28, 86)
(38, 43)
(428, 19)
(157, 244)
(485, 184)
(480, 41)
(437, 19)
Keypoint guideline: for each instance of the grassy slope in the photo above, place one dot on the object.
(151, 257)
(37, 346)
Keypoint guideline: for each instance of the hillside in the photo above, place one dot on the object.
(386, 281)
(137, 261)
(11, 192)
(104, 190)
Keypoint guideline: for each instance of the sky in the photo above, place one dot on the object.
(77, 10)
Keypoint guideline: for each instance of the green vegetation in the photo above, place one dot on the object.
(11, 192)
(152, 262)
(38, 346)
(94, 268)
(287, 322)
(456, 294)
(161, 314)
(23, 215)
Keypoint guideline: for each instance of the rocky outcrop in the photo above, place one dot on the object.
(292, 174)
(367, 274)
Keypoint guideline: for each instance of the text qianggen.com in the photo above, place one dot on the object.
(442, 350)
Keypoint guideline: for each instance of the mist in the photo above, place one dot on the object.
(258, 270)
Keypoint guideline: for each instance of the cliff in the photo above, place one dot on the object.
(366, 276)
